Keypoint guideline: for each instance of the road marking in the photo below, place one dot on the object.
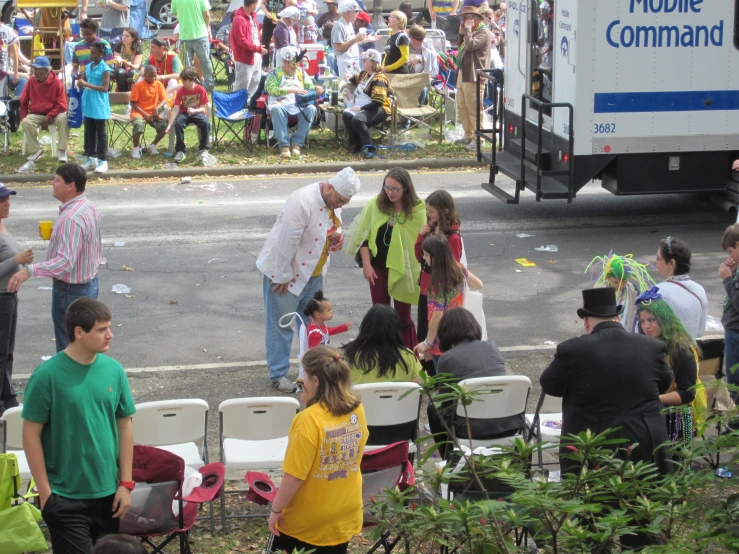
(263, 363)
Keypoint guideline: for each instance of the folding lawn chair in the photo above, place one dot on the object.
(19, 530)
(406, 90)
(158, 505)
(139, 17)
(119, 125)
(222, 62)
(230, 116)
(392, 411)
(386, 468)
(545, 424)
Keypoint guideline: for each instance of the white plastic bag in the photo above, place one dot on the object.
(193, 479)
(473, 300)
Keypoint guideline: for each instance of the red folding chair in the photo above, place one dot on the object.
(158, 507)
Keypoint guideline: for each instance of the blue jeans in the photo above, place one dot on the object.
(279, 124)
(20, 84)
(62, 295)
(277, 340)
(201, 48)
(731, 358)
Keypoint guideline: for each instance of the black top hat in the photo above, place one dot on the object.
(599, 303)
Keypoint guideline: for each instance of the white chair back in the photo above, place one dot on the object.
(253, 419)
(438, 39)
(168, 422)
(384, 405)
(13, 428)
(499, 396)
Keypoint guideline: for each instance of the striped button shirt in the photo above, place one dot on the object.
(76, 248)
(443, 7)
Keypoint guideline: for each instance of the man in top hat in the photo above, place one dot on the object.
(610, 378)
(294, 258)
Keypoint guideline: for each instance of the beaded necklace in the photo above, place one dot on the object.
(324, 334)
(391, 223)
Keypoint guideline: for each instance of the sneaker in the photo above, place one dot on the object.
(462, 142)
(472, 145)
(283, 384)
(296, 150)
(35, 156)
(136, 153)
(179, 156)
(285, 152)
(90, 163)
(102, 167)
(152, 148)
(63, 158)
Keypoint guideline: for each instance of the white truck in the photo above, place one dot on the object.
(641, 94)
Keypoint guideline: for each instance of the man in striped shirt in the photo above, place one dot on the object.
(440, 10)
(75, 249)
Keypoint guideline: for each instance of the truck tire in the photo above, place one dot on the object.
(162, 10)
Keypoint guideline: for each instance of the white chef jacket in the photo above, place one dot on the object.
(296, 241)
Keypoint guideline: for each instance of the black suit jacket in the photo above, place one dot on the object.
(612, 378)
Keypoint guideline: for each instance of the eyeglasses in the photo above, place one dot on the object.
(392, 190)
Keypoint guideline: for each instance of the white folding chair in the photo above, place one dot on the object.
(390, 414)
(13, 439)
(498, 397)
(253, 434)
(52, 135)
(176, 426)
(545, 424)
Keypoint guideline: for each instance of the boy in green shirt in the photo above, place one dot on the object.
(78, 433)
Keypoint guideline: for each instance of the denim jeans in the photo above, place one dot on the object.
(203, 125)
(277, 340)
(731, 358)
(62, 295)
(8, 320)
(279, 124)
(20, 84)
(201, 48)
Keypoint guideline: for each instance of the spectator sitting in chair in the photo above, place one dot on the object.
(371, 103)
(147, 97)
(283, 87)
(422, 56)
(190, 108)
(168, 63)
(43, 103)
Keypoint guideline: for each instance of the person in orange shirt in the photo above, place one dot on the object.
(147, 97)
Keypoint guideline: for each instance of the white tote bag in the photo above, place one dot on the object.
(473, 300)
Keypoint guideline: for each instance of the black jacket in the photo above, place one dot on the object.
(608, 379)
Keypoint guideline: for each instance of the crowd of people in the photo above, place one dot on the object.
(111, 54)
(638, 356)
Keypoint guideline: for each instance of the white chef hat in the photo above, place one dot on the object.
(289, 13)
(346, 182)
(348, 6)
(289, 53)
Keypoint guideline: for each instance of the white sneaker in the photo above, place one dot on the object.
(90, 163)
(63, 158)
(283, 384)
(102, 167)
(472, 145)
(179, 156)
(152, 148)
(35, 156)
(136, 153)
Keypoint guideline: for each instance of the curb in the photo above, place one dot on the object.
(232, 171)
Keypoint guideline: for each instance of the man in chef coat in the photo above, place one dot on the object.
(294, 259)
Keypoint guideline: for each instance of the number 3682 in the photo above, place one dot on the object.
(604, 128)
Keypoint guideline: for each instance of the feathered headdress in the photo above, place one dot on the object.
(622, 268)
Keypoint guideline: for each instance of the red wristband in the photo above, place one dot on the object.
(130, 485)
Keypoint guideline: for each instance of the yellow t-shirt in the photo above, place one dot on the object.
(324, 451)
(329, 235)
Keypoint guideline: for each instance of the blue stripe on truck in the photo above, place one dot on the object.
(683, 101)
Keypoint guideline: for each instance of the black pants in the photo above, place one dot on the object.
(96, 139)
(357, 125)
(203, 125)
(290, 544)
(422, 331)
(122, 75)
(268, 28)
(8, 320)
(76, 525)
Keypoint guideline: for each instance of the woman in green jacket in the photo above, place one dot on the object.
(384, 234)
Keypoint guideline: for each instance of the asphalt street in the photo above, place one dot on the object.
(192, 324)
